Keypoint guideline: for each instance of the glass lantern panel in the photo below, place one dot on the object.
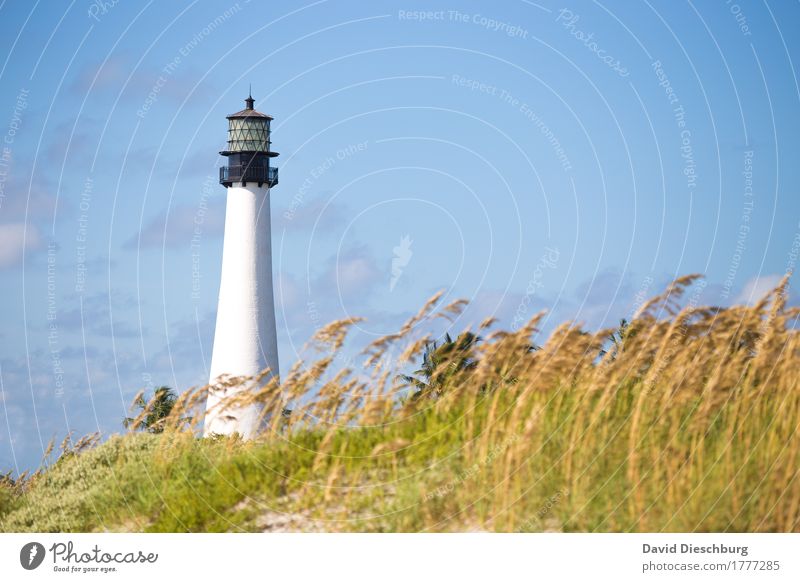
(246, 134)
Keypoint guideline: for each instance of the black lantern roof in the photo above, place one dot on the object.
(248, 111)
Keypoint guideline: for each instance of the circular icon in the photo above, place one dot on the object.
(31, 555)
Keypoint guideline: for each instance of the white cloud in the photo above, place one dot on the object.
(319, 214)
(355, 273)
(756, 288)
(15, 239)
(182, 223)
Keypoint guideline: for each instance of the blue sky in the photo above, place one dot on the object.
(573, 157)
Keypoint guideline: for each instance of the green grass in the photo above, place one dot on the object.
(174, 482)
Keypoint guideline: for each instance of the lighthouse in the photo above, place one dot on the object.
(245, 339)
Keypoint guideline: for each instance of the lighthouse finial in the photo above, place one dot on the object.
(250, 101)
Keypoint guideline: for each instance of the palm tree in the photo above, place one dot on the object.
(440, 362)
(617, 339)
(157, 410)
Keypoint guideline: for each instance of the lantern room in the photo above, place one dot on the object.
(248, 149)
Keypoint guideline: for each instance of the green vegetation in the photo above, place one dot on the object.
(685, 420)
(153, 413)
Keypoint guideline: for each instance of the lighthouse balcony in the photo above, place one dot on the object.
(268, 175)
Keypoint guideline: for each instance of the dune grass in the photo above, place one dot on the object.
(684, 419)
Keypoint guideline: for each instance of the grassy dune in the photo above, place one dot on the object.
(685, 419)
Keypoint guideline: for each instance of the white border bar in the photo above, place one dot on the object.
(411, 557)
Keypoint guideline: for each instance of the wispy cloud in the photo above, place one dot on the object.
(353, 271)
(177, 227)
(756, 288)
(16, 240)
(318, 214)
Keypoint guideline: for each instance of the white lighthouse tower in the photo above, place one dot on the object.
(245, 340)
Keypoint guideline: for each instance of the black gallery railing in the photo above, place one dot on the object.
(260, 174)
